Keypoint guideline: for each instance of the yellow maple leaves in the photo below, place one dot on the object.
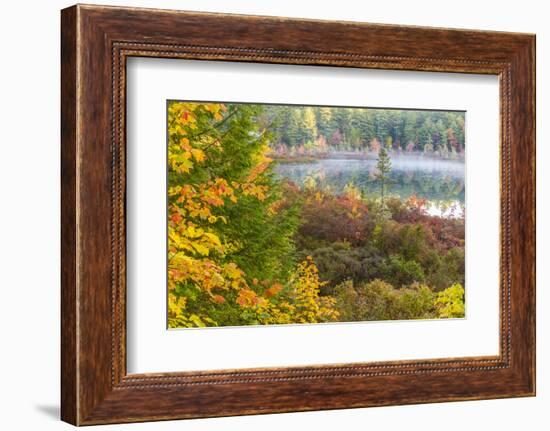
(298, 302)
(195, 250)
(198, 154)
(216, 109)
(199, 259)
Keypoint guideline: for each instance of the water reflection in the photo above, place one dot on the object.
(432, 179)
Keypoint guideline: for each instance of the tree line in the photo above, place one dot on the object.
(364, 129)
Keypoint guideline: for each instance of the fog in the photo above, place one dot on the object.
(403, 163)
(436, 180)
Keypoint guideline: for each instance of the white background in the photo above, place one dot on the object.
(151, 348)
(29, 228)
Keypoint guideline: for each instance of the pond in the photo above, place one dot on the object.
(439, 181)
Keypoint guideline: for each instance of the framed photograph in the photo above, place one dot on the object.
(265, 215)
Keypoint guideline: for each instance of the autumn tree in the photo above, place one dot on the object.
(229, 229)
(300, 301)
(219, 180)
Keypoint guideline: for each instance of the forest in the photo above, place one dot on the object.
(321, 130)
(250, 246)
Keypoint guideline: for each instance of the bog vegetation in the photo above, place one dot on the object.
(247, 247)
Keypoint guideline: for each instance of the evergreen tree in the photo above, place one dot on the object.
(383, 175)
(294, 132)
(355, 128)
(366, 125)
(341, 119)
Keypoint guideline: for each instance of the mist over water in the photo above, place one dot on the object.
(439, 181)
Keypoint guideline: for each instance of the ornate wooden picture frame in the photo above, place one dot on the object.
(96, 41)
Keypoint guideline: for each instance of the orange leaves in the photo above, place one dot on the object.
(203, 273)
(176, 218)
(259, 169)
(188, 118)
(195, 247)
(214, 193)
(273, 290)
(210, 169)
(275, 207)
(221, 188)
(414, 202)
(184, 144)
(218, 299)
(299, 301)
(198, 201)
(185, 116)
(248, 298)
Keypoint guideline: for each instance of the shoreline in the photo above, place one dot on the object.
(350, 155)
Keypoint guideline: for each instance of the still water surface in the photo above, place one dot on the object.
(439, 181)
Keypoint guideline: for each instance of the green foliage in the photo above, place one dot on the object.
(383, 167)
(407, 248)
(338, 262)
(379, 300)
(228, 225)
(260, 237)
(401, 272)
(444, 269)
(352, 129)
